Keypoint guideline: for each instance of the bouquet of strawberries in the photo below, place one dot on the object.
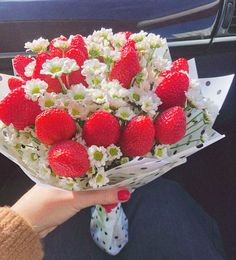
(101, 111)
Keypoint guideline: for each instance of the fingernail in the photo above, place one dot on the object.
(123, 195)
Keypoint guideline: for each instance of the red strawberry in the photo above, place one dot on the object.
(68, 159)
(53, 83)
(128, 44)
(76, 77)
(126, 68)
(19, 64)
(14, 83)
(170, 125)
(54, 125)
(54, 51)
(137, 137)
(101, 129)
(77, 42)
(172, 90)
(15, 108)
(180, 64)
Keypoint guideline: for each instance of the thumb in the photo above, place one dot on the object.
(84, 199)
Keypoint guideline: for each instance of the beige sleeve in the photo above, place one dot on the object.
(18, 241)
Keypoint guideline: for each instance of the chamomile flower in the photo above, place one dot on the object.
(160, 64)
(48, 101)
(79, 93)
(125, 113)
(98, 96)
(79, 139)
(99, 180)
(135, 95)
(58, 66)
(161, 151)
(138, 37)
(77, 110)
(30, 157)
(97, 155)
(150, 103)
(35, 88)
(29, 69)
(91, 171)
(118, 40)
(94, 71)
(63, 45)
(210, 112)
(38, 45)
(114, 152)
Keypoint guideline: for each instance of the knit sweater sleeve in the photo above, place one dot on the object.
(18, 241)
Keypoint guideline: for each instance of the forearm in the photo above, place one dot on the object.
(17, 238)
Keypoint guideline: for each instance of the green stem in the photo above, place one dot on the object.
(195, 117)
(35, 140)
(194, 124)
(64, 91)
(194, 131)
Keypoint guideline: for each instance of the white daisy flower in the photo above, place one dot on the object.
(66, 183)
(138, 37)
(58, 66)
(77, 110)
(99, 180)
(114, 152)
(211, 111)
(118, 40)
(48, 101)
(160, 64)
(79, 93)
(63, 45)
(135, 95)
(29, 69)
(30, 157)
(98, 96)
(161, 151)
(93, 67)
(63, 100)
(125, 113)
(38, 45)
(97, 156)
(35, 88)
(155, 41)
(150, 103)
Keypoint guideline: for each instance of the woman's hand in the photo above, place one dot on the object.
(46, 208)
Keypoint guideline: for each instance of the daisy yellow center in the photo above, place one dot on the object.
(78, 96)
(33, 156)
(124, 115)
(49, 103)
(39, 48)
(113, 151)
(136, 97)
(99, 178)
(75, 112)
(55, 69)
(98, 156)
(35, 90)
(159, 152)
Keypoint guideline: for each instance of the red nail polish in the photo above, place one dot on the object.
(123, 195)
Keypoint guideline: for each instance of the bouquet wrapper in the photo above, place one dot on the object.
(110, 230)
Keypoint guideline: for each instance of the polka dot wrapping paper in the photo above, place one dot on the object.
(110, 230)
